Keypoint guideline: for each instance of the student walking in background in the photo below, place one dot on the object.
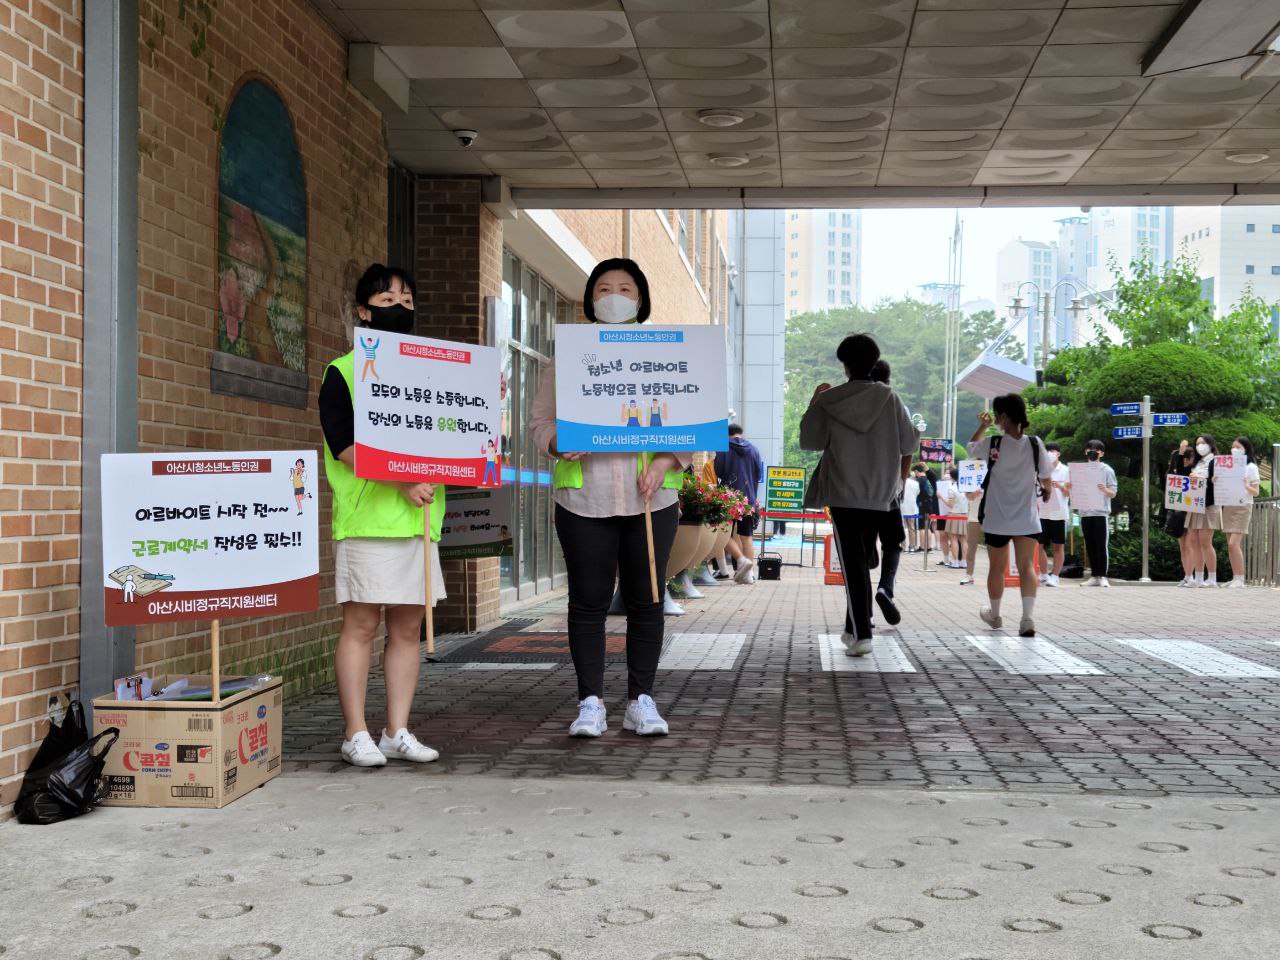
(1175, 521)
(1095, 524)
(911, 512)
(1055, 514)
(1017, 477)
(926, 503)
(867, 441)
(1235, 519)
(1201, 526)
(742, 468)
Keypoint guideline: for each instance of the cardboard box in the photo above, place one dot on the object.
(190, 753)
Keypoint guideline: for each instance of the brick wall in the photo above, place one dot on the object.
(190, 69)
(41, 331)
(459, 263)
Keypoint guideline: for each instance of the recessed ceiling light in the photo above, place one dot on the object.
(728, 159)
(716, 117)
(1248, 156)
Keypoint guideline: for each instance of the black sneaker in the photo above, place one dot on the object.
(890, 609)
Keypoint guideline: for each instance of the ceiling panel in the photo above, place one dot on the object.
(908, 95)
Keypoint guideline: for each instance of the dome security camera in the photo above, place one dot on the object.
(466, 137)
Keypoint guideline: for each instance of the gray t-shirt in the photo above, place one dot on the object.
(1013, 496)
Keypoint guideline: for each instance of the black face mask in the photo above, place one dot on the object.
(396, 318)
(1092, 454)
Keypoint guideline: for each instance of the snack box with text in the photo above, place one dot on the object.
(196, 753)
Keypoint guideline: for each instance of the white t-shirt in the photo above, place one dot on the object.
(1056, 507)
(1013, 495)
(910, 494)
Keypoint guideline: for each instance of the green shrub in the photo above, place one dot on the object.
(1178, 378)
(1166, 557)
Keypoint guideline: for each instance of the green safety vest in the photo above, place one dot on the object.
(567, 475)
(367, 508)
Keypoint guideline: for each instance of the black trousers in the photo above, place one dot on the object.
(1095, 542)
(596, 550)
(855, 535)
(892, 538)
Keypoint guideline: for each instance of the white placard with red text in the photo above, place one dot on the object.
(1228, 481)
(204, 536)
(426, 411)
(1183, 493)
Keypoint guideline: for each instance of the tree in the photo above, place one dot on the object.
(912, 338)
(1246, 337)
(1158, 303)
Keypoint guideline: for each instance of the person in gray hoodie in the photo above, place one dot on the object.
(867, 441)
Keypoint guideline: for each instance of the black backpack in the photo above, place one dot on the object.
(993, 456)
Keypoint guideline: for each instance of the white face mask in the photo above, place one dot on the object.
(1237, 452)
(615, 308)
(1202, 449)
(1053, 457)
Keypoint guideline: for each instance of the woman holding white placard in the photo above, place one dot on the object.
(1201, 526)
(601, 501)
(1235, 518)
(378, 557)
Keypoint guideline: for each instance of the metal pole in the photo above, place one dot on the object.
(1146, 490)
(1044, 332)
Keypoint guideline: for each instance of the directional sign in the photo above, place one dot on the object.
(1169, 419)
(1126, 409)
(1126, 433)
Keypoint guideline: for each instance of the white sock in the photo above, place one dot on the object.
(1028, 606)
(995, 606)
(1197, 577)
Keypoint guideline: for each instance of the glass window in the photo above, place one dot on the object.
(794, 274)
(831, 238)
(1250, 228)
(700, 229)
(846, 219)
(682, 229)
(831, 258)
(831, 296)
(831, 219)
(1248, 268)
(795, 236)
(846, 258)
(831, 276)
(795, 254)
(1275, 228)
(846, 277)
(846, 239)
(795, 293)
(1275, 271)
(845, 297)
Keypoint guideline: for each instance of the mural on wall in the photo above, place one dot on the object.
(262, 233)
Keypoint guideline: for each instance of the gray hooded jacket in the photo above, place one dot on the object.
(863, 431)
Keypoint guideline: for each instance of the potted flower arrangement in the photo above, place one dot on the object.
(693, 539)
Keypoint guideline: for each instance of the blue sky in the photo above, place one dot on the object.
(902, 249)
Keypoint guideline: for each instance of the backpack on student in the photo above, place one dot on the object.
(993, 455)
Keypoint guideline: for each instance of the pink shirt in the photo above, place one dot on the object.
(609, 480)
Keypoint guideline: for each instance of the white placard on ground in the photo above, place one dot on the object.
(477, 523)
(426, 411)
(204, 536)
(638, 387)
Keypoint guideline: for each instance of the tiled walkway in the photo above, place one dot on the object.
(1136, 689)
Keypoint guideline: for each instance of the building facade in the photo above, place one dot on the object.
(186, 294)
(1237, 250)
(824, 260)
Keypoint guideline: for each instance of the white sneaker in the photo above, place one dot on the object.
(1186, 582)
(1093, 582)
(755, 578)
(1026, 627)
(848, 640)
(1104, 582)
(405, 746)
(591, 719)
(743, 573)
(670, 608)
(994, 621)
(1210, 583)
(1044, 577)
(361, 751)
(1051, 580)
(860, 648)
(643, 719)
(705, 578)
(966, 581)
(1235, 583)
(686, 584)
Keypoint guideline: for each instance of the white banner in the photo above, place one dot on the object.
(636, 388)
(1228, 481)
(426, 411)
(1185, 493)
(1085, 479)
(477, 523)
(199, 536)
(972, 473)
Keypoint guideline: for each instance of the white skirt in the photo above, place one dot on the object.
(386, 571)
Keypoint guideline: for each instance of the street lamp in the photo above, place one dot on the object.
(1017, 308)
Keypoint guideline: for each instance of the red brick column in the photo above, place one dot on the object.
(459, 263)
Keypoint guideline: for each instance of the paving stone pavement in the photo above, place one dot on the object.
(755, 697)
(952, 798)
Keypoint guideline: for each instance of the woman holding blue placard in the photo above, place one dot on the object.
(378, 557)
(600, 501)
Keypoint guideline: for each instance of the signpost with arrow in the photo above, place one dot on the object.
(1143, 432)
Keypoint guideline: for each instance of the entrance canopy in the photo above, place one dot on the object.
(789, 103)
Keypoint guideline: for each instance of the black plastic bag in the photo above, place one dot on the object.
(65, 777)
